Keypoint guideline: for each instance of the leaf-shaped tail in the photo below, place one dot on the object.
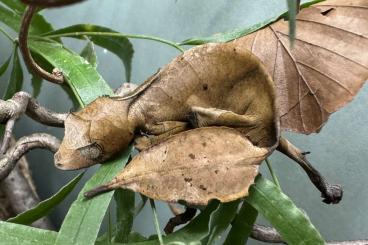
(194, 166)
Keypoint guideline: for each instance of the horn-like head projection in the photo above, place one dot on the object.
(94, 134)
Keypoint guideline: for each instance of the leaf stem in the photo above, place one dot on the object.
(116, 34)
(274, 177)
(155, 220)
(7, 35)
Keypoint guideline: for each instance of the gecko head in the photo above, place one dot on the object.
(96, 133)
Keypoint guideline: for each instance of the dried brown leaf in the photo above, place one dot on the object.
(325, 69)
(194, 166)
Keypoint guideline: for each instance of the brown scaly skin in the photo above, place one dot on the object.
(177, 97)
(210, 85)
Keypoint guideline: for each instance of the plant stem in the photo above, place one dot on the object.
(274, 177)
(155, 220)
(115, 34)
(7, 35)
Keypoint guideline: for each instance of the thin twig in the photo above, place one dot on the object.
(24, 145)
(270, 235)
(23, 45)
(115, 34)
(50, 3)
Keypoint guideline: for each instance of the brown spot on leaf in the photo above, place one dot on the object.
(188, 179)
(202, 187)
(191, 155)
(205, 86)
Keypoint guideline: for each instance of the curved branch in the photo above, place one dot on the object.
(270, 235)
(50, 3)
(20, 103)
(57, 77)
(20, 192)
(24, 145)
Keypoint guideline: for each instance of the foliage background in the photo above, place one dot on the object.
(339, 151)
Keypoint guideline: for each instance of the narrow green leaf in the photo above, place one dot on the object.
(4, 66)
(156, 222)
(36, 85)
(220, 220)
(228, 36)
(140, 205)
(10, 18)
(209, 223)
(19, 234)
(14, 5)
(13, 19)
(120, 46)
(44, 207)
(292, 223)
(136, 237)
(242, 225)
(16, 77)
(82, 222)
(293, 8)
(83, 79)
(231, 35)
(124, 214)
(89, 54)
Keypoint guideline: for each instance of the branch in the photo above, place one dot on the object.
(24, 145)
(19, 191)
(56, 77)
(270, 235)
(266, 234)
(20, 103)
(50, 3)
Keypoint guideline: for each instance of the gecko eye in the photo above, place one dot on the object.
(92, 151)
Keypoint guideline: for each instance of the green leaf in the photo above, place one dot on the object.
(231, 35)
(89, 54)
(136, 237)
(4, 66)
(291, 222)
(242, 225)
(220, 220)
(36, 85)
(14, 5)
(293, 8)
(82, 222)
(16, 77)
(19, 234)
(202, 229)
(120, 46)
(83, 79)
(13, 19)
(124, 214)
(44, 207)
(140, 205)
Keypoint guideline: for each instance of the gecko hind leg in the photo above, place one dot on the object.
(202, 117)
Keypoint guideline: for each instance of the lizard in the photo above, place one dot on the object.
(210, 85)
